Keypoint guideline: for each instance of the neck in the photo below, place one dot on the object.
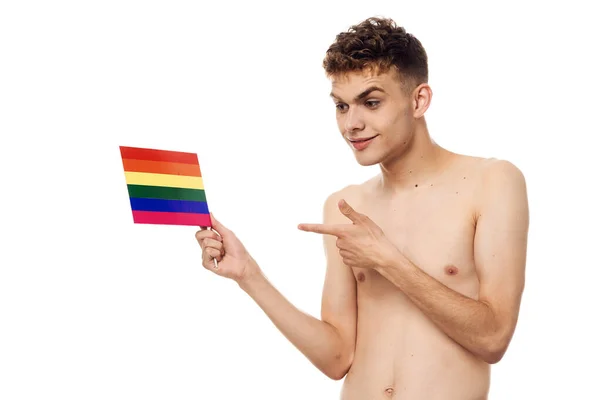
(416, 165)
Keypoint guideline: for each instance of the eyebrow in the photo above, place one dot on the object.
(363, 94)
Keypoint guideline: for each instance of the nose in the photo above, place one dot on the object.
(353, 121)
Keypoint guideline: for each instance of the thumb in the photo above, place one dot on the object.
(218, 226)
(349, 212)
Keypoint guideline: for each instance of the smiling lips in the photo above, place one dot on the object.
(362, 143)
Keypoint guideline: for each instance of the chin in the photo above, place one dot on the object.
(367, 160)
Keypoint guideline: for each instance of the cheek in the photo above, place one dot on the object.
(340, 123)
(393, 126)
(402, 125)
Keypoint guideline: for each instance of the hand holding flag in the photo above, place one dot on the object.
(221, 244)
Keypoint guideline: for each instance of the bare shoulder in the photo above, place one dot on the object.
(492, 172)
(491, 168)
(354, 194)
(499, 171)
(501, 182)
(499, 174)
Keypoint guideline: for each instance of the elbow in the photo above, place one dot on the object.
(494, 349)
(338, 369)
(493, 356)
(337, 375)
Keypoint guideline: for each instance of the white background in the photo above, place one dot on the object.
(95, 307)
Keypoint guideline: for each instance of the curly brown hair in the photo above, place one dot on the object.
(377, 45)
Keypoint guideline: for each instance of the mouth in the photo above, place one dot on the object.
(361, 143)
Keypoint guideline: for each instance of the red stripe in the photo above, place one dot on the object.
(137, 153)
(171, 218)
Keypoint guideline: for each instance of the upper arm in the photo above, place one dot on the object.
(338, 306)
(500, 245)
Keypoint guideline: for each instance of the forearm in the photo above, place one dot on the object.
(469, 322)
(319, 341)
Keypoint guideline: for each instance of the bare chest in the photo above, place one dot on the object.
(435, 230)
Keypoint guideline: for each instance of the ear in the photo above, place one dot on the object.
(421, 99)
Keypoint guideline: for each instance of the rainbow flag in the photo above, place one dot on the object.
(165, 187)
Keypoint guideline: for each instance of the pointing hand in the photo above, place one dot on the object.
(362, 243)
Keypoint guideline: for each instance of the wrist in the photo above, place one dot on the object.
(251, 277)
(390, 258)
(393, 261)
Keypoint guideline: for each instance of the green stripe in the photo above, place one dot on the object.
(167, 193)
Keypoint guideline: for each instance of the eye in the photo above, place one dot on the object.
(372, 103)
(341, 106)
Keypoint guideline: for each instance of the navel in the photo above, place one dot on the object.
(451, 270)
(389, 391)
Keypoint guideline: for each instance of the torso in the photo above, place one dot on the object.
(400, 353)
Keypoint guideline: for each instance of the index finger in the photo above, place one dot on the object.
(207, 233)
(326, 229)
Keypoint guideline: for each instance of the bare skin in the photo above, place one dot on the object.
(425, 262)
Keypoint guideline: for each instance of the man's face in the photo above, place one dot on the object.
(374, 115)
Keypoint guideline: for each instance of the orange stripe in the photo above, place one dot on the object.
(161, 167)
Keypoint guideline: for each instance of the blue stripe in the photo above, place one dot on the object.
(184, 206)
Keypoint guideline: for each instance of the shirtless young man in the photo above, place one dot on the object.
(425, 261)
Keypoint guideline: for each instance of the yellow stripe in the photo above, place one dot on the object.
(178, 181)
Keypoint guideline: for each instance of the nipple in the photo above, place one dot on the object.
(451, 270)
